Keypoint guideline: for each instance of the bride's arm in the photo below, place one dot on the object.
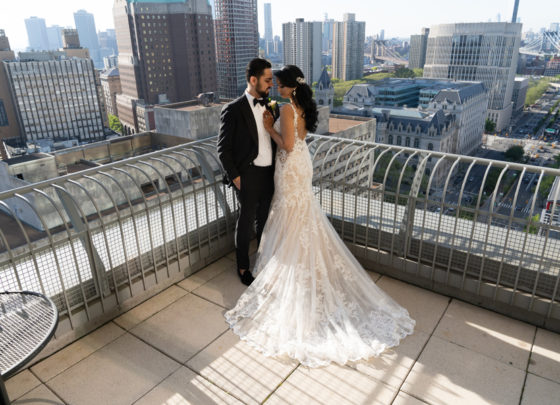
(286, 139)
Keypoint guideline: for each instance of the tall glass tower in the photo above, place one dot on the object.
(237, 42)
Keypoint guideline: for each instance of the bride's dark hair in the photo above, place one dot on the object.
(292, 76)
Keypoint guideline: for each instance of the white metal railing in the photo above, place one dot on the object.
(97, 239)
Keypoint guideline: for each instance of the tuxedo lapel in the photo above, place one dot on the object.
(249, 119)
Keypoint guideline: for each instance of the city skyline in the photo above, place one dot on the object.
(397, 20)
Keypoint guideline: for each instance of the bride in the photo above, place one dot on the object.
(311, 299)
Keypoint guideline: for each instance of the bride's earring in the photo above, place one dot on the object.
(294, 93)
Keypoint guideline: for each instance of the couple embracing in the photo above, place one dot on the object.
(308, 297)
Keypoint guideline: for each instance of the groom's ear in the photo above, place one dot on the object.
(253, 80)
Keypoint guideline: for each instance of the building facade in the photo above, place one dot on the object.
(54, 34)
(485, 52)
(302, 47)
(237, 42)
(166, 54)
(9, 128)
(324, 91)
(111, 84)
(348, 48)
(418, 45)
(85, 25)
(268, 37)
(466, 102)
(56, 99)
(520, 87)
(37, 33)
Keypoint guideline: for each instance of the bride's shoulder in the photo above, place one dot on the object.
(287, 109)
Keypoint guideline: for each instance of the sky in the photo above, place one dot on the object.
(398, 18)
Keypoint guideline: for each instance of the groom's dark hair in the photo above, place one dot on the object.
(256, 68)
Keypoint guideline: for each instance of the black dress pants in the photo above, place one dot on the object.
(254, 198)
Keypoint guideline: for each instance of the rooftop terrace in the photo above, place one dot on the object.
(137, 255)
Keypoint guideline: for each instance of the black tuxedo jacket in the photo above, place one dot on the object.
(238, 142)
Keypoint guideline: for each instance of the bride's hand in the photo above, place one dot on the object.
(268, 120)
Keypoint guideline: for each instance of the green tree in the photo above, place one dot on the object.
(515, 153)
(557, 161)
(534, 226)
(546, 186)
(418, 72)
(404, 72)
(489, 126)
(115, 124)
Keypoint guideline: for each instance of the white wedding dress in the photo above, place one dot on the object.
(311, 299)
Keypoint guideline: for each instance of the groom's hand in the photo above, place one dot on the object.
(237, 182)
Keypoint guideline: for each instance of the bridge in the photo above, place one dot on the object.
(546, 44)
(380, 51)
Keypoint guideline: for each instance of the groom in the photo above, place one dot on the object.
(247, 156)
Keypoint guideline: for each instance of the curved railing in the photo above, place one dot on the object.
(99, 239)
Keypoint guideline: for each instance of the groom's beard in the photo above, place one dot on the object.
(262, 93)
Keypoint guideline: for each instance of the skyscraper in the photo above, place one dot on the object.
(54, 34)
(348, 48)
(327, 33)
(85, 24)
(166, 54)
(37, 33)
(302, 47)
(418, 45)
(268, 23)
(237, 41)
(485, 52)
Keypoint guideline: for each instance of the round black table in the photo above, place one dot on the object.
(27, 323)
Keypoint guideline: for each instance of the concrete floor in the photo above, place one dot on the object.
(176, 349)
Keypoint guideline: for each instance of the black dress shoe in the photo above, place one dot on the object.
(246, 278)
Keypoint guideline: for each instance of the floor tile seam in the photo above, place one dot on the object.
(480, 354)
(430, 336)
(83, 358)
(154, 347)
(280, 383)
(413, 396)
(197, 287)
(51, 389)
(155, 313)
(156, 385)
(29, 390)
(210, 301)
(527, 368)
(543, 377)
(213, 383)
(204, 348)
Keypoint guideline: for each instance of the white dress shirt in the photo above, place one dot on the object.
(264, 158)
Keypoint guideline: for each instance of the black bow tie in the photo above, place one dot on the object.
(260, 101)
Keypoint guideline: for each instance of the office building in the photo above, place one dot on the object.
(418, 45)
(348, 48)
(37, 34)
(485, 52)
(111, 85)
(85, 24)
(166, 54)
(56, 99)
(9, 128)
(466, 101)
(71, 44)
(520, 87)
(237, 41)
(302, 47)
(268, 37)
(328, 27)
(54, 34)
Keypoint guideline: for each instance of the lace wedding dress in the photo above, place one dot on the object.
(311, 299)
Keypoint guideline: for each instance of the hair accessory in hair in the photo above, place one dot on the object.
(300, 80)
